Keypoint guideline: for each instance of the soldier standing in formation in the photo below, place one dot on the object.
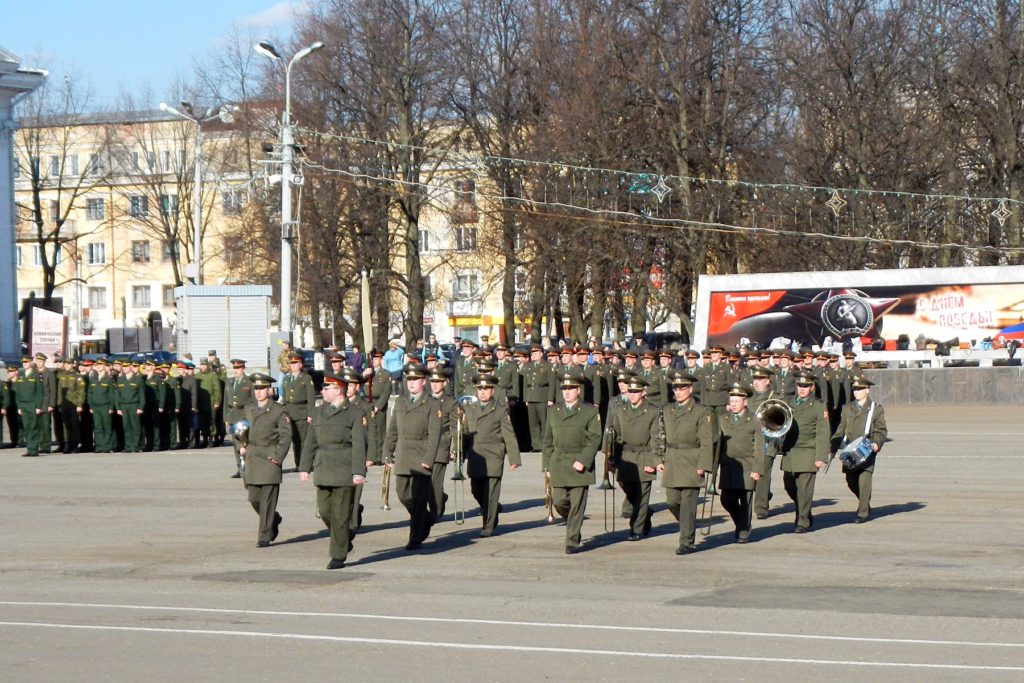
(689, 453)
(854, 424)
(489, 439)
(805, 449)
(413, 435)
(207, 402)
(237, 397)
(572, 437)
(741, 460)
(185, 408)
(335, 451)
(101, 404)
(128, 402)
(30, 397)
(298, 396)
(637, 427)
(71, 389)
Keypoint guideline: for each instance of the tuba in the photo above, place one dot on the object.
(775, 417)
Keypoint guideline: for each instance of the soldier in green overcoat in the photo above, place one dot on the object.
(207, 401)
(413, 435)
(268, 441)
(572, 437)
(335, 451)
(70, 401)
(438, 382)
(637, 429)
(30, 398)
(353, 381)
(689, 452)
(805, 448)
(298, 396)
(853, 423)
(101, 405)
(762, 379)
(539, 381)
(128, 403)
(740, 460)
(489, 440)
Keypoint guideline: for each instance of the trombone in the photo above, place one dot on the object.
(385, 487)
(549, 498)
(607, 484)
(458, 454)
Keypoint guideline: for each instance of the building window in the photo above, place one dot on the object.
(96, 253)
(71, 164)
(138, 206)
(233, 252)
(37, 256)
(520, 281)
(232, 202)
(54, 210)
(140, 251)
(424, 241)
(94, 209)
(17, 255)
(466, 285)
(133, 159)
(464, 208)
(168, 296)
(95, 165)
(151, 161)
(428, 288)
(97, 298)
(519, 238)
(54, 166)
(465, 239)
(168, 205)
(169, 252)
(140, 296)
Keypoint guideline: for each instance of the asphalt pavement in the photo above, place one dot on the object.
(145, 567)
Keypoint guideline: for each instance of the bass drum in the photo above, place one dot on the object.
(856, 453)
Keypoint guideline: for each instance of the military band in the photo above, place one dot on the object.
(658, 424)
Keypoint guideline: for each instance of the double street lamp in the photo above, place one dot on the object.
(224, 112)
(287, 179)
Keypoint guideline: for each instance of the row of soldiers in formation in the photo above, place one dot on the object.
(685, 440)
(108, 406)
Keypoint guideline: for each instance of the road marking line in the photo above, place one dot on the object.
(499, 622)
(510, 648)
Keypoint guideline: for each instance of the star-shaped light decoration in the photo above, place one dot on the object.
(836, 203)
(1002, 212)
(661, 189)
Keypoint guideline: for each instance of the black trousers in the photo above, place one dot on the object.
(414, 491)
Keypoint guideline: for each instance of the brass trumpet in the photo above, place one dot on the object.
(549, 499)
(385, 487)
(458, 453)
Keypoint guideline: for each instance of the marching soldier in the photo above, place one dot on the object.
(689, 444)
(854, 424)
(128, 403)
(572, 437)
(741, 460)
(761, 378)
(335, 450)
(413, 436)
(538, 382)
(637, 426)
(378, 386)
(101, 405)
(489, 439)
(464, 367)
(237, 397)
(269, 438)
(439, 392)
(353, 383)
(785, 385)
(805, 449)
(298, 396)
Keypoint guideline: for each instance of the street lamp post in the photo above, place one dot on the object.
(224, 112)
(287, 179)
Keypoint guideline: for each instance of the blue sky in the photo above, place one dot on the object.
(118, 45)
